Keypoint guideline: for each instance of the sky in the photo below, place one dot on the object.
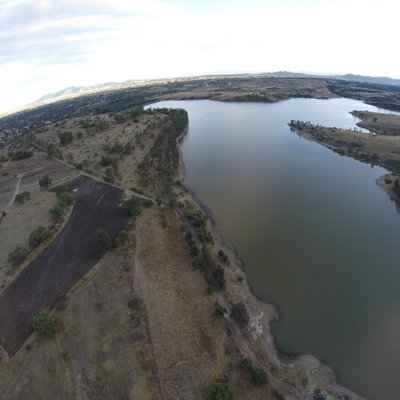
(47, 45)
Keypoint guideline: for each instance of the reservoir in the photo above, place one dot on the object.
(318, 237)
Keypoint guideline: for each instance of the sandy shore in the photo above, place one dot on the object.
(261, 315)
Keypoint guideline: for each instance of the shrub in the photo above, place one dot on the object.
(109, 176)
(135, 210)
(45, 181)
(103, 240)
(17, 256)
(220, 391)
(22, 197)
(219, 311)
(219, 276)
(45, 324)
(38, 236)
(197, 262)
(223, 257)
(66, 199)
(148, 203)
(20, 154)
(123, 236)
(65, 137)
(239, 314)
(57, 211)
(105, 161)
(257, 375)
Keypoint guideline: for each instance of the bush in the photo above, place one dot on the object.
(239, 314)
(45, 324)
(135, 210)
(109, 176)
(197, 262)
(105, 161)
(103, 240)
(257, 375)
(45, 181)
(148, 203)
(20, 154)
(65, 137)
(223, 257)
(38, 236)
(219, 310)
(22, 197)
(219, 276)
(17, 256)
(66, 199)
(123, 236)
(57, 211)
(220, 391)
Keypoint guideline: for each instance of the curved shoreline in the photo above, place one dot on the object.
(262, 313)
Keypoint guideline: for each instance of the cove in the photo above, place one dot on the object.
(318, 237)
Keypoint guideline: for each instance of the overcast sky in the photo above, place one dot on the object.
(47, 45)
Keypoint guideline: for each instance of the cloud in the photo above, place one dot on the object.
(51, 44)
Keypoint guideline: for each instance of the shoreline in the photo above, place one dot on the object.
(381, 183)
(261, 313)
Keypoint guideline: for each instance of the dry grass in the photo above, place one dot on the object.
(89, 146)
(30, 170)
(381, 124)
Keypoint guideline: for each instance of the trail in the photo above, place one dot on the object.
(20, 176)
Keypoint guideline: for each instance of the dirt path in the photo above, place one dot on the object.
(16, 190)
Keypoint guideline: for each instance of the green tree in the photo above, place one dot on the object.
(220, 391)
(17, 256)
(22, 197)
(103, 240)
(45, 324)
(45, 181)
(38, 236)
(239, 314)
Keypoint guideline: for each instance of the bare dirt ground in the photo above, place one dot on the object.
(56, 269)
(26, 174)
(100, 353)
(379, 123)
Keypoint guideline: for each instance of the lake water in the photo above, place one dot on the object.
(319, 238)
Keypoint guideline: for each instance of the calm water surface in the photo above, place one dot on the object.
(319, 238)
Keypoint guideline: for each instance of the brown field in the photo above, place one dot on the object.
(379, 123)
(59, 266)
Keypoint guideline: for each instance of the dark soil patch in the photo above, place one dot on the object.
(58, 267)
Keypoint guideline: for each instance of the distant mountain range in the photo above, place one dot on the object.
(381, 80)
(73, 91)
